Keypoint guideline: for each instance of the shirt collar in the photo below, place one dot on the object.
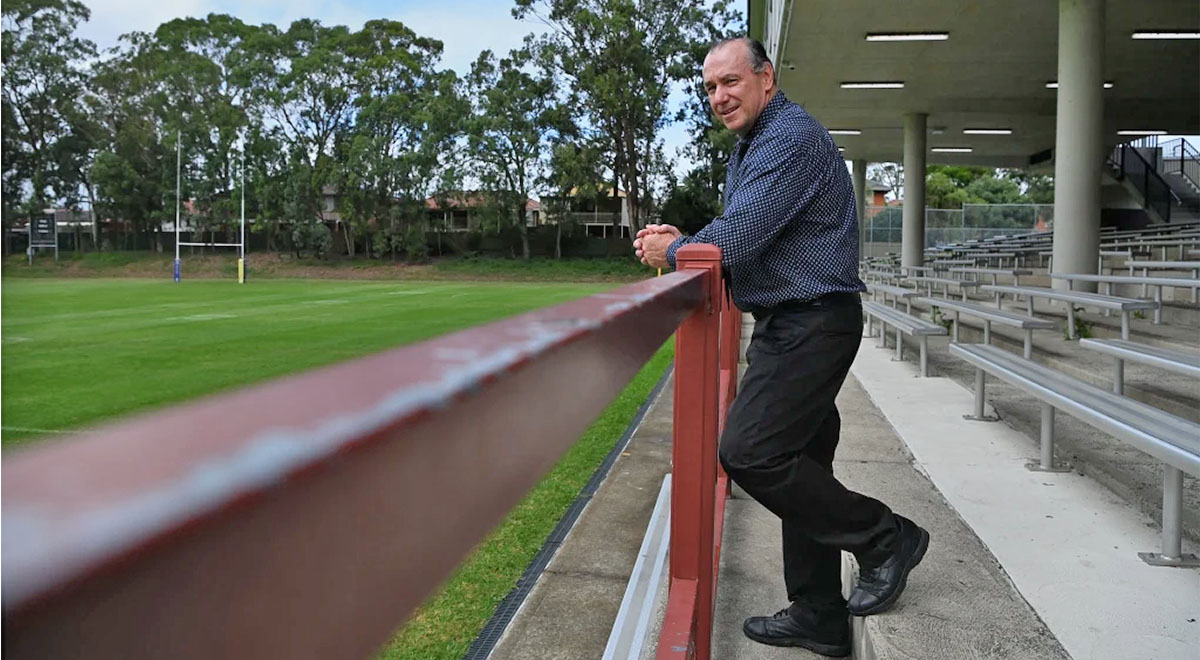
(768, 115)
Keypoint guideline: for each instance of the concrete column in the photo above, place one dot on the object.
(1079, 139)
(913, 248)
(860, 202)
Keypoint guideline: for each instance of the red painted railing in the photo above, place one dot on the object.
(707, 347)
(307, 517)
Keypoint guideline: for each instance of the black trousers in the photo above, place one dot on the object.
(780, 438)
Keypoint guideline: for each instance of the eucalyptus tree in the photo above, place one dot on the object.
(621, 57)
(514, 110)
(304, 79)
(204, 69)
(134, 168)
(406, 116)
(45, 72)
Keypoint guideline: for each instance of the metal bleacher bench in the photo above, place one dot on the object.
(1157, 283)
(1173, 440)
(903, 324)
(1072, 298)
(896, 292)
(946, 283)
(992, 315)
(1180, 362)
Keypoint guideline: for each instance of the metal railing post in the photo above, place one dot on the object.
(694, 454)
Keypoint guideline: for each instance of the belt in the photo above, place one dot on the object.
(835, 298)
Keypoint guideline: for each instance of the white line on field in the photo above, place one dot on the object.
(326, 302)
(25, 429)
(14, 340)
(202, 317)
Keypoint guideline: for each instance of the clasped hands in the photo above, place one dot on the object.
(652, 242)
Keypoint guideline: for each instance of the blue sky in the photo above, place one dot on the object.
(465, 27)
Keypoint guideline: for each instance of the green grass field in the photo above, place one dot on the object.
(77, 351)
(81, 350)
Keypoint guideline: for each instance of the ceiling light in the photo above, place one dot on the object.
(987, 131)
(952, 150)
(1134, 132)
(841, 148)
(872, 85)
(1166, 35)
(908, 36)
(1108, 84)
(844, 131)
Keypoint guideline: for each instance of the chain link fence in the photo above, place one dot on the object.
(883, 228)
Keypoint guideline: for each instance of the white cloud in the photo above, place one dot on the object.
(465, 27)
(112, 18)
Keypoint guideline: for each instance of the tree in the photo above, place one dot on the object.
(507, 132)
(201, 67)
(574, 173)
(620, 57)
(44, 78)
(134, 168)
(710, 143)
(693, 204)
(889, 174)
(406, 118)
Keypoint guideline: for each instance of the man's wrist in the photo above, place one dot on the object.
(672, 248)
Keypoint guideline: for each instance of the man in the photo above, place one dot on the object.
(789, 245)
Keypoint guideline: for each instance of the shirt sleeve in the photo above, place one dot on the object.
(776, 186)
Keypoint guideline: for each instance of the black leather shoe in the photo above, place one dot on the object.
(831, 638)
(879, 587)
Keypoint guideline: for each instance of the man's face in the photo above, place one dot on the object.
(736, 93)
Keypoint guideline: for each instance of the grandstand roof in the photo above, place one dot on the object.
(991, 72)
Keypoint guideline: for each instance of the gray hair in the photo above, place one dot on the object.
(754, 48)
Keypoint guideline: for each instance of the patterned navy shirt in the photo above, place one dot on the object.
(789, 231)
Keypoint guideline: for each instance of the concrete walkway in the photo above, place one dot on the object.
(959, 602)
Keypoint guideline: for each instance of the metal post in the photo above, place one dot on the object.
(242, 241)
(1119, 376)
(979, 384)
(1029, 343)
(899, 345)
(882, 334)
(178, 177)
(1172, 546)
(924, 360)
(956, 317)
(1158, 299)
(1046, 461)
(1125, 324)
(1030, 305)
(1070, 320)
(987, 331)
(1047, 436)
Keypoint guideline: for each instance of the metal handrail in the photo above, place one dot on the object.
(1147, 177)
(1180, 157)
(308, 516)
